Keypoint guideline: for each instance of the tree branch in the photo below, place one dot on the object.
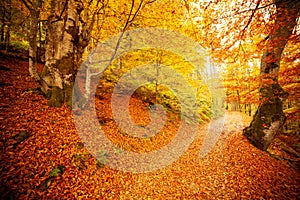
(62, 12)
(251, 17)
(88, 28)
(149, 2)
(128, 19)
(135, 14)
(244, 11)
(27, 4)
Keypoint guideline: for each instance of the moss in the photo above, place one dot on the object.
(45, 71)
(68, 91)
(56, 99)
(99, 164)
(275, 156)
(59, 96)
(266, 114)
(81, 160)
(48, 94)
(23, 136)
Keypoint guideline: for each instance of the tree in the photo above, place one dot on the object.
(269, 117)
(12, 17)
(69, 30)
(69, 25)
(34, 8)
(6, 15)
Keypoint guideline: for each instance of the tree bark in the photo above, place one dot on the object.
(2, 26)
(8, 23)
(34, 20)
(34, 9)
(7, 38)
(65, 44)
(269, 118)
(59, 71)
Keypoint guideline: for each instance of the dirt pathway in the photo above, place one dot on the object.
(233, 169)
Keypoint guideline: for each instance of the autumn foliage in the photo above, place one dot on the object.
(52, 162)
(44, 157)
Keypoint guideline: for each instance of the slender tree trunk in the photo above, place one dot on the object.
(239, 101)
(34, 21)
(34, 9)
(2, 34)
(269, 118)
(9, 22)
(2, 28)
(7, 39)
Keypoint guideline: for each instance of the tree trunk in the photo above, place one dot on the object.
(7, 39)
(269, 118)
(60, 67)
(239, 101)
(64, 46)
(34, 8)
(34, 21)
(9, 22)
(2, 28)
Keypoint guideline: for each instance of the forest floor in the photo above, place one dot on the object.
(42, 156)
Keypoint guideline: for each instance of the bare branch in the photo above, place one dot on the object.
(149, 2)
(245, 11)
(128, 19)
(251, 17)
(95, 13)
(135, 14)
(27, 4)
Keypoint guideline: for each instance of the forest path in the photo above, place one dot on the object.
(229, 168)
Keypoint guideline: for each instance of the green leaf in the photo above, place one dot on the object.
(56, 171)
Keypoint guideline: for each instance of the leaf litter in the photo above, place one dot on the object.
(51, 162)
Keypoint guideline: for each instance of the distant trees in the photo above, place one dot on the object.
(12, 22)
(6, 19)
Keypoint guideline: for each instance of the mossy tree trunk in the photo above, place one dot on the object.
(68, 34)
(60, 66)
(269, 118)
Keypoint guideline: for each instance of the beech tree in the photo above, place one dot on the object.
(69, 29)
(269, 118)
